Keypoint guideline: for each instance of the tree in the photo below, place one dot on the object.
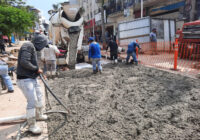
(55, 9)
(16, 3)
(15, 20)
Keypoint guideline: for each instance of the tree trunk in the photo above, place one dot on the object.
(9, 41)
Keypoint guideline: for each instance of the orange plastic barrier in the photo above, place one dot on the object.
(183, 57)
(176, 54)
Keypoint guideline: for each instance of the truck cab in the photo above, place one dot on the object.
(189, 40)
(190, 33)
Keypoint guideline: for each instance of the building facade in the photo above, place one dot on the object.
(90, 26)
(117, 11)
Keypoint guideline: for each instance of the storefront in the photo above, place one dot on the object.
(92, 28)
(88, 29)
(170, 10)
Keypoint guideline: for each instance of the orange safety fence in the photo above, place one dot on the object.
(184, 57)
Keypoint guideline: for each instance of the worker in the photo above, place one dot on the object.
(113, 50)
(153, 39)
(27, 73)
(36, 39)
(5, 76)
(95, 55)
(48, 56)
(132, 52)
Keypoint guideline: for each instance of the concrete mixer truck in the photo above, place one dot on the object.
(66, 30)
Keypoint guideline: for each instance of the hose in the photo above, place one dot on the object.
(18, 137)
(48, 112)
(19, 132)
(46, 85)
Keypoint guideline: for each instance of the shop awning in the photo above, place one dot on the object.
(5, 37)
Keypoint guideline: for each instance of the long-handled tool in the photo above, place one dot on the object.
(46, 85)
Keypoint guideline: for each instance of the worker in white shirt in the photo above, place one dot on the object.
(48, 55)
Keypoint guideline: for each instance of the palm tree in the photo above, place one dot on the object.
(55, 9)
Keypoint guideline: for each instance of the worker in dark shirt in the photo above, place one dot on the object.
(27, 73)
(113, 50)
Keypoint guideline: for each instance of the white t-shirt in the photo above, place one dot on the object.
(49, 53)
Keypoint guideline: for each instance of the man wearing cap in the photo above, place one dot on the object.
(153, 39)
(95, 54)
(132, 52)
(27, 73)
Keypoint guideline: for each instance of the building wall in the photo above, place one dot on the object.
(91, 8)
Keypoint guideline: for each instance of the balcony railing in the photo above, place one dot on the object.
(115, 7)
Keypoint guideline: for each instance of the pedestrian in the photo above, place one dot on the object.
(95, 55)
(113, 50)
(2, 44)
(5, 76)
(27, 73)
(132, 52)
(153, 39)
(48, 56)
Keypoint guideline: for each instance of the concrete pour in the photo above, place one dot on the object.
(125, 103)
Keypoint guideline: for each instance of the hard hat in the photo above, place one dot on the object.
(50, 42)
(37, 31)
(90, 39)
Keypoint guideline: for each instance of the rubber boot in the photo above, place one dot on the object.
(39, 114)
(131, 61)
(126, 62)
(31, 120)
(116, 61)
(94, 71)
(100, 71)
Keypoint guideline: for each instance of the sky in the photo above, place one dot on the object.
(43, 5)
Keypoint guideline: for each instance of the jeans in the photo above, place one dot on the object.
(133, 54)
(96, 61)
(6, 77)
(32, 92)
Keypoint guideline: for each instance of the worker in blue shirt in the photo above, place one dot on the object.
(132, 52)
(95, 55)
(153, 39)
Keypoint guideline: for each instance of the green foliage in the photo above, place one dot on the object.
(18, 3)
(15, 20)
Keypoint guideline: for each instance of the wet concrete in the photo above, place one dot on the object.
(72, 49)
(125, 103)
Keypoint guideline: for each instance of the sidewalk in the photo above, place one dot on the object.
(14, 104)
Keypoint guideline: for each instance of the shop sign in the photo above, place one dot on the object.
(167, 8)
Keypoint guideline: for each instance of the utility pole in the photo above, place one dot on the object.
(101, 5)
(193, 10)
(142, 8)
(103, 23)
(93, 18)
